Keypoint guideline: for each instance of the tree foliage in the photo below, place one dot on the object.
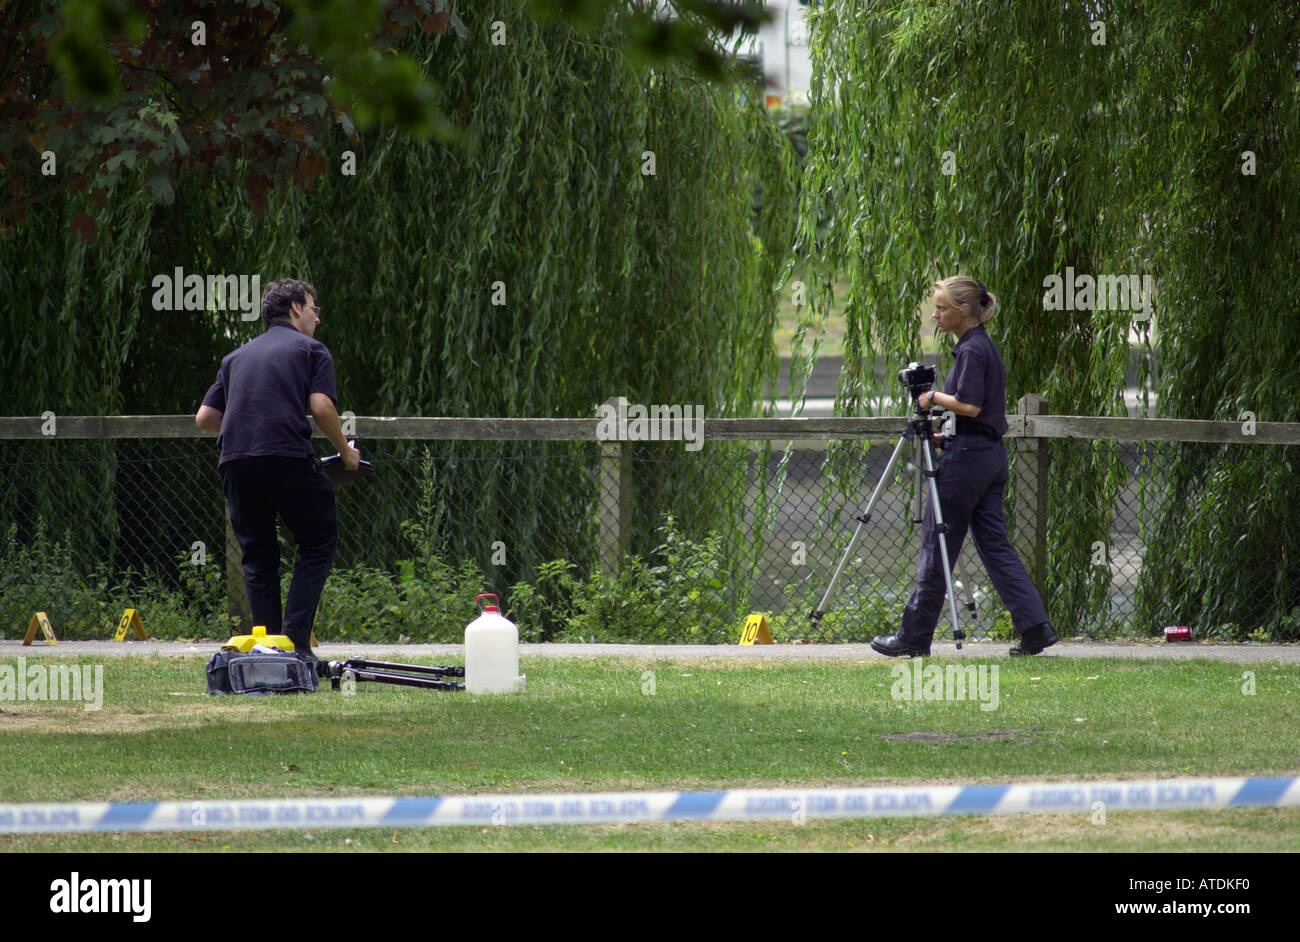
(1010, 142)
(107, 86)
(609, 209)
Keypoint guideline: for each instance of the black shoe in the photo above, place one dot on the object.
(894, 646)
(1035, 639)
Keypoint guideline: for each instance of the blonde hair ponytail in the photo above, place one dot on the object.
(961, 290)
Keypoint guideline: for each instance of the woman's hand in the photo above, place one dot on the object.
(961, 408)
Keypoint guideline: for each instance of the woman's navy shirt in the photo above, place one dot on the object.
(978, 378)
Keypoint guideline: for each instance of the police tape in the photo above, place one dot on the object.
(793, 805)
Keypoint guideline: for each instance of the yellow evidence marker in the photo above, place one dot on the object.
(756, 630)
(130, 618)
(42, 621)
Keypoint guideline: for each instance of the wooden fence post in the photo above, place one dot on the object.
(615, 503)
(1033, 461)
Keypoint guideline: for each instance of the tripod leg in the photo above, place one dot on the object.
(968, 602)
(917, 511)
(863, 519)
(942, 530)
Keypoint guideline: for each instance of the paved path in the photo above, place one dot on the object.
(1130, 650)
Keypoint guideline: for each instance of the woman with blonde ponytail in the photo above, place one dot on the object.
(971, 479)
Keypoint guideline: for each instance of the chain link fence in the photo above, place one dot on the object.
(646, 541)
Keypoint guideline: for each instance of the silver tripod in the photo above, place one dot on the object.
(919, 434)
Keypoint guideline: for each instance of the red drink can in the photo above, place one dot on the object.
(1180, 633)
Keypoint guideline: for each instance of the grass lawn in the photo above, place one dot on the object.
(621, 724)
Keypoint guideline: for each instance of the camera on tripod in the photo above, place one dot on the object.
(917, 377)
(918, 438)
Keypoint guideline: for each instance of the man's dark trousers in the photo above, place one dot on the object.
(258, 489)
(972, 478)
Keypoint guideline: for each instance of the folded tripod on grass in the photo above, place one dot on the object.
(356, 670)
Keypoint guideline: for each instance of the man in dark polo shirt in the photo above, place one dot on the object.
(259, 404)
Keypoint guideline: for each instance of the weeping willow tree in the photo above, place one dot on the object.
(1217, 111)
(604, 231)
(1012, 142)
(599, 240)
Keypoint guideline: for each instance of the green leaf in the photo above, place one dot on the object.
(125, 158)
(313, 104)
(260, 84)
(160, 186)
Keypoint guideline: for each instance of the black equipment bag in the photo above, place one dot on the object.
(259, 674)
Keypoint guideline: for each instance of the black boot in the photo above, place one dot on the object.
(895, 646)
(1035, 639)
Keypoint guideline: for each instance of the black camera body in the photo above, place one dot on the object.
(917, 377)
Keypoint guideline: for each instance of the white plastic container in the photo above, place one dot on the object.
(492, 651)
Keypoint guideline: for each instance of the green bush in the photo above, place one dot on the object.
(677, 596)
(858, 612)
(43, 576)
(426, 601)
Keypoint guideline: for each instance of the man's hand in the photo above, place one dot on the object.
(351, 456)
(327, 417)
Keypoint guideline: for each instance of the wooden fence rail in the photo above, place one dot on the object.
(1031, 425)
